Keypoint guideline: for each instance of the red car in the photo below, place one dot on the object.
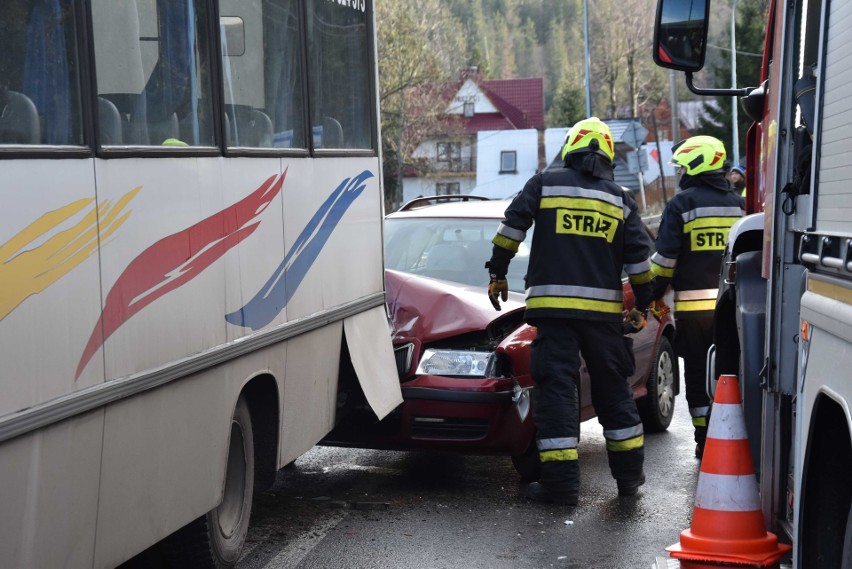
(464, 367)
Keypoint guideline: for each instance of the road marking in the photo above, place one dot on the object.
(296, 549)
(361, 468)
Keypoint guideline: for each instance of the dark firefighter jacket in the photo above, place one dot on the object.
(693, 231)
(586, 230)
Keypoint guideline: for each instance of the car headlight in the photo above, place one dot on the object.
(457, 362)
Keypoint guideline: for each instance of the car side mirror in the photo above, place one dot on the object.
(680, 34)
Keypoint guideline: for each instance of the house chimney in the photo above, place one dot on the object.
(471, 72)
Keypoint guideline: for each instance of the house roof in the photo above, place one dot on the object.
(519, 103)
(520, 100)
(488, 121)
(619, 126)
(622, 175)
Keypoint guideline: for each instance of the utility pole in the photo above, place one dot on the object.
(586, 47)
(659, 156)
(396, 201)
(735, 129)
(673, 103)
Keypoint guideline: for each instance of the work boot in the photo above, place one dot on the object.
(630, 487)
(539, 493)
(700, 439)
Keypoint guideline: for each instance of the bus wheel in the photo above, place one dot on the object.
(215, 540)
(847, 541)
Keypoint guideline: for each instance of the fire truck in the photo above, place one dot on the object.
(784, 308)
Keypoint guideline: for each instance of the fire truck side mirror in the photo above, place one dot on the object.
(753, 103)
(680, 34)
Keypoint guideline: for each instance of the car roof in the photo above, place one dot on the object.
(478, 208)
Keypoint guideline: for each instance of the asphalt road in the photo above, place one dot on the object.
(349, 508)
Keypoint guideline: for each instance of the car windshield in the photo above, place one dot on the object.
(453, 249)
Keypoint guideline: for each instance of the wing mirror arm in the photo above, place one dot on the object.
(716, 92)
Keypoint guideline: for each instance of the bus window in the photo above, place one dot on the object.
(39, 74)
(152, 73)
(262, 72)
(339, 74)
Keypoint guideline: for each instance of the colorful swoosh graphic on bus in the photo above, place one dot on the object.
(279, 289)
(25, 272)
(175, 260)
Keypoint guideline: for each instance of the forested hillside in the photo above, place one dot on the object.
(427, 42)
(544, 38)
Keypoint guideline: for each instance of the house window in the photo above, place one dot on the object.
(508, 161)
(449, 151)
(449, 157)
(447, 189)
(468, 109)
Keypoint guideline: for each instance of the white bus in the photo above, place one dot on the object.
(191, 279)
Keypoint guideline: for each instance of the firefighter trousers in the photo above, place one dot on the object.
(693, 338)
(555, 368)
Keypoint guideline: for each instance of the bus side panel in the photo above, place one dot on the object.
(374, 361)
(340, 216)
(50, 298)
(164, 461)
(49, 494)
(356, 238)
(163, 277)
(253, 265)
(310, 383)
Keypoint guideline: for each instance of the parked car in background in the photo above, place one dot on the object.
(464, 368)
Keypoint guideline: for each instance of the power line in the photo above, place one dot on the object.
(738, 51)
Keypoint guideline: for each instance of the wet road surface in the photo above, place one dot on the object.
(351, 508)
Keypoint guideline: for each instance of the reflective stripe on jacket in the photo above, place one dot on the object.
(586, 231)
(693, 232)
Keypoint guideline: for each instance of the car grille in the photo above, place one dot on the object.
(448, 428)
(403, 355)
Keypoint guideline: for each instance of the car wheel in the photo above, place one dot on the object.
(657, 407)
(527, 464)
(215, 540)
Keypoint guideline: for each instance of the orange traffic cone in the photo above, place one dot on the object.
(727, 523)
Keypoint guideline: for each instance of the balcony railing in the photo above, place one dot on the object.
(466, 164)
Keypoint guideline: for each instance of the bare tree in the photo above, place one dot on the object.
(418, 43)
(621, 37)
(606, 48)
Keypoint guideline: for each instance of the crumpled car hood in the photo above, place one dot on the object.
(431, 309)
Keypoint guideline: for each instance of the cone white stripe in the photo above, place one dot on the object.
(727, 492)
(727, 422)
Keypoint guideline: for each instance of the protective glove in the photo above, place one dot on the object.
(498, 289)
(659, 308)
(636, 320)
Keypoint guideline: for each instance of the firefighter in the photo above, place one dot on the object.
(693, 231)
(586, 230)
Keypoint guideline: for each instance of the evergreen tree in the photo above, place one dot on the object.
(558, 59)
(569, 105)
(505, 52)
(528, 54)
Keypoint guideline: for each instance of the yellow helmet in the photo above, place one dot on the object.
(589, 135)
(699, 154)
